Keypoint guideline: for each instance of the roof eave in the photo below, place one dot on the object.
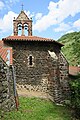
(37, 40)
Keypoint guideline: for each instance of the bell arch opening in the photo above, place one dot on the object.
(19, 29)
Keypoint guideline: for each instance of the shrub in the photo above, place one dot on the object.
(75, 95)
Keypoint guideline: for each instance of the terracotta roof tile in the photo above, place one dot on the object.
(6, 53)
(30, 38)
(74, 70)
(1, 43)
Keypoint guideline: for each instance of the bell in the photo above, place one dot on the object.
(19, 28)
(25, 28)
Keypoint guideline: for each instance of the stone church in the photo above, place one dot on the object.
(39, 64)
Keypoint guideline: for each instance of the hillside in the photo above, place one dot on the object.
(71, 49)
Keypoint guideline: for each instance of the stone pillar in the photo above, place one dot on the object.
(30, 28)
(15, 27)
(64, 76)
(55, 93)
(23, 30)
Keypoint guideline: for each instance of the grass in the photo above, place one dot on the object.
(38, 109)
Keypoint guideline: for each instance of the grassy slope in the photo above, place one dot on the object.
(71, 49)
(37, 109)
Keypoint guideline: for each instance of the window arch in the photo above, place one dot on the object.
(26, 29)
(19, 29)
(23, 29)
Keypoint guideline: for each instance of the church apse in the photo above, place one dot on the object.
(38, 61)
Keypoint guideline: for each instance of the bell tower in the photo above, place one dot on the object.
(22, 23)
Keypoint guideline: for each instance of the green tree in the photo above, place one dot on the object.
(71, 47)
(76, 49)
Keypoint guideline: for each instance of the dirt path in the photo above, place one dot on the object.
(26, 93)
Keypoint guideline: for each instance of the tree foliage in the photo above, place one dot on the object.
(71, 49)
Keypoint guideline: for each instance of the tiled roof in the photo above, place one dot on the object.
(74, 70)
(30, 38)
(1, 43)
(6, 53)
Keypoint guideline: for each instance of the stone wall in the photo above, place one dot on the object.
(7, 101)
(64, 75)
(46, 74)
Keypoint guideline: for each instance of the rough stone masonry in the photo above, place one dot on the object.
(7, 101)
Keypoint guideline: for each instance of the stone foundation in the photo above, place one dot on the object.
(38, 88)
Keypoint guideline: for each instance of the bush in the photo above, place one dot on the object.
(75, 95)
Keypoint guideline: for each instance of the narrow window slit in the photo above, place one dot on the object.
(30, 60)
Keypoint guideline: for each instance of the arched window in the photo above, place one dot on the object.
(30, 60)
(26, 29)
